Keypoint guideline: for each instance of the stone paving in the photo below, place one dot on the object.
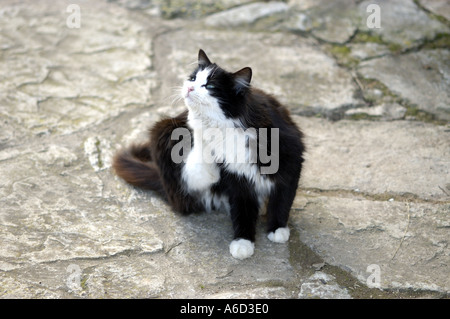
(371, 217)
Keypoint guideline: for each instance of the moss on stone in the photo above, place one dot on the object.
(395, 48)
(442, 40)
(99, 153)
(367, 37)
(342, 55)
(372, 84)
(362, 116)
(414, 113)
(171, 9)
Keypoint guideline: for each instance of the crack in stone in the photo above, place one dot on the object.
(380, 197)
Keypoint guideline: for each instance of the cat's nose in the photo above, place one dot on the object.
(189, 90)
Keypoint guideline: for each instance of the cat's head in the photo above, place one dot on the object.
(213, 92)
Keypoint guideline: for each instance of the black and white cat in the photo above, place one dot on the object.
(239, 150)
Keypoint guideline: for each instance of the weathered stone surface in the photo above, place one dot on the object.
(322, 286)
(47, 211)
(407, 240)
(59, 80)
(402, 22)
(377, 157)
(190, 9)
(363, 51)
(331, 21)
(372, 192)
(245, 15)
(422, 78)
(336, 21)
(439, 7)
(383, 231)
(306, 4)
(385, 111)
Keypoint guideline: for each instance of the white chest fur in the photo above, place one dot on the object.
(199, 175)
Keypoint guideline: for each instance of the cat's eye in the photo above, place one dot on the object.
(210, 86)
(192, 78)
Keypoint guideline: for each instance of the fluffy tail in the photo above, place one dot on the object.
(135, 167)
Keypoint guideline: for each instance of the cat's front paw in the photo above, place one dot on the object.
(242, 248)
(281, 235)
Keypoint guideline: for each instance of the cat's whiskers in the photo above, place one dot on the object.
(176, 96)
(173, 98)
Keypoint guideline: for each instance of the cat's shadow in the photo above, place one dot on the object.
(198, 244)
(211, 234)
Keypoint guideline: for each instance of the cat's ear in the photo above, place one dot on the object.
(203, 60)
(242, 79)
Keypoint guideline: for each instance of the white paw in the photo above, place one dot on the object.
(241, 248)
(281, 235)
